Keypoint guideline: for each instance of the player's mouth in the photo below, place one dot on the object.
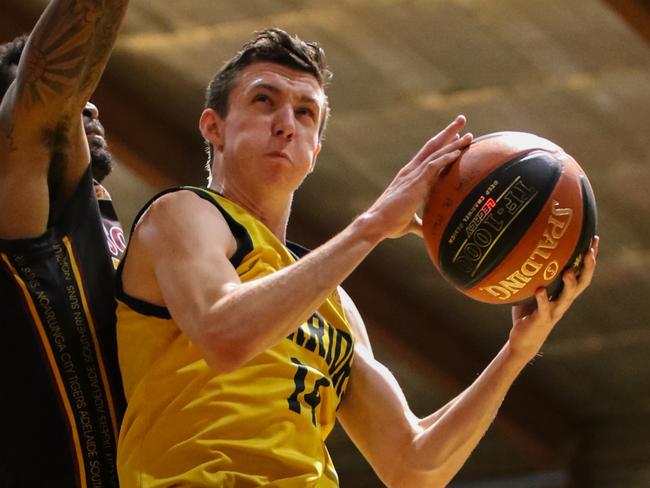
(279, 154)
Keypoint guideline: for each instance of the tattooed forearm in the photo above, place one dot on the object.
(68, 50)
(106, 29)
(49, 71)
(55, 56)
(89, 10)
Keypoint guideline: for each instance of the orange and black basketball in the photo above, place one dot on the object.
(508, 217)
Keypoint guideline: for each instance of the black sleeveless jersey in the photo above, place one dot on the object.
(62, 398)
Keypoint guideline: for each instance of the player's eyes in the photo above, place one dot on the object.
(305, 111)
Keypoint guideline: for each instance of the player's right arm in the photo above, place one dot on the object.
(40, 115)
(179, 258)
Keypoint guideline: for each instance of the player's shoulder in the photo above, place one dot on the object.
(173, 199)
(179, 214)
(174, 203)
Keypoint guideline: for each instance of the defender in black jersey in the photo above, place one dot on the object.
(60, 243)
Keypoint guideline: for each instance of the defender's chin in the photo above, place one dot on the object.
(102, 162)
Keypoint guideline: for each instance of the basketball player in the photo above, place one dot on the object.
(59, 245)
(237, 354)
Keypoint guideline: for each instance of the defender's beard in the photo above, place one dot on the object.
(101, 160)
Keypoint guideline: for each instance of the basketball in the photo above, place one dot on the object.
(509, 216)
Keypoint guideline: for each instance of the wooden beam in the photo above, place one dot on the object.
(635, 12)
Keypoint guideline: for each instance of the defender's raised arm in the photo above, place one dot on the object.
(43, 148)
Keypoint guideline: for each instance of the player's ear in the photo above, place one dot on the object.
(211, 127)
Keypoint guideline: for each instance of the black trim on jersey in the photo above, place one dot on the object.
(297, 250)
(244, 241)
(242, 238)
(136, 304)
(141, 306)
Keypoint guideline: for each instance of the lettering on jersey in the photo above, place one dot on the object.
(58, 305)
(333, 345)
(299, 380)
(312, 399)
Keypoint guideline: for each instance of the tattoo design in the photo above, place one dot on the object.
(54, 58)
(105, 32)
(69, 50)
(88, 10)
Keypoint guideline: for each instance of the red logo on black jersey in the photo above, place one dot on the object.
(115, 240)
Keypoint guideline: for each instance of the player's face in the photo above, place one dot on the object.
(270, 135)
(100, 157)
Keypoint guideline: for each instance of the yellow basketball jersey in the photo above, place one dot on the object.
(264, 424)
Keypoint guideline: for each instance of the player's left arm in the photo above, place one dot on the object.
(407, 451)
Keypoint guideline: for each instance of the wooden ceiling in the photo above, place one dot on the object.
(574, 71)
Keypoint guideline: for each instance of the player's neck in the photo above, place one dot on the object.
(271, 211)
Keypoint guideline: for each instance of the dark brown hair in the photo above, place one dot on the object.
(275, 46)
(10, 53)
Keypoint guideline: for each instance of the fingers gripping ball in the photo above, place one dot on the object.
(508, 217)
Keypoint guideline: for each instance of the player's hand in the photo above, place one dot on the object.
(394, 212)
(534, 322)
